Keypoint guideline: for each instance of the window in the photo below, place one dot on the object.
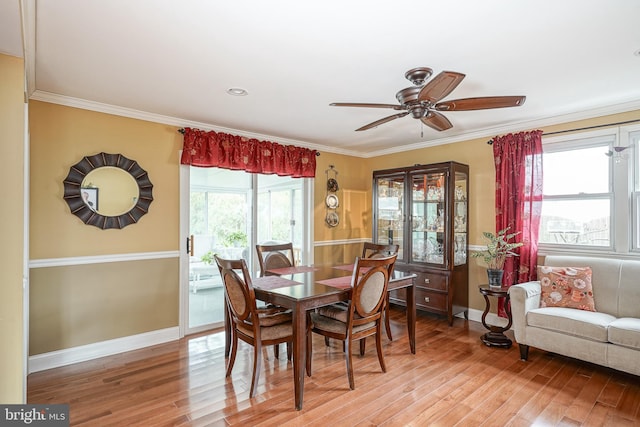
(588, 202)
(634, 153)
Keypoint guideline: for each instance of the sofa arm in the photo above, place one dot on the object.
(523, 297)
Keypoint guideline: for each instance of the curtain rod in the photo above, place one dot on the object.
(181, 130)
(490, 142)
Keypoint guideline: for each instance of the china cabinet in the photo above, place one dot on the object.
(424, 210)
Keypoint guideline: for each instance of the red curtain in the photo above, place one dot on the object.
(518, 163)
(216, 149)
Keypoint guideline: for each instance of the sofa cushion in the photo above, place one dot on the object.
(568, 287)
(626, 332)
(605, 280)
(579, 323)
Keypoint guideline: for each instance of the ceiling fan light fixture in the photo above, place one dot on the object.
(418, 112)
(237, 91)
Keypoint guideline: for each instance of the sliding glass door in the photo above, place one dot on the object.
(222, 220)
(219, 224)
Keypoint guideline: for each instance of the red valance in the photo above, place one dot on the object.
(216, 149)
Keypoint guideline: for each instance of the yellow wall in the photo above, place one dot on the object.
(61, 137)
(82, 304)
(354, 210)
(12, 217)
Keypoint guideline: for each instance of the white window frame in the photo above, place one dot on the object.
(630, 137)
(624, 213)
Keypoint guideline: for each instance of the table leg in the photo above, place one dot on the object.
(411, 317)
(495, 337)
(299, 353)
(487, 305)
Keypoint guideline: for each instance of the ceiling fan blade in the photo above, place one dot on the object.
(352, 104)
(440, 86)
(481, 103)
(436, 121)
(381, 121)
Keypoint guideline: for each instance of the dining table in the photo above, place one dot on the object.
(304, 288)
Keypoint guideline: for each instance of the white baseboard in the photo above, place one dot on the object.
(55, 359)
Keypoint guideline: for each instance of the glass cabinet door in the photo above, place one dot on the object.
(390, 213)
(428, 217)
(460, 212)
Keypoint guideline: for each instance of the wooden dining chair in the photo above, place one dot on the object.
(374, 250)
(257, 327)
(272, 256)
(359, 319)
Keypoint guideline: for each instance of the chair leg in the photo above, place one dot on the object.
(289, 351)
(257, 363)
(387, 325)
(352, 383)
(234, 350)
(379, 348)
(326, 341)
(363, 342)
(309, 350)
(276, 351)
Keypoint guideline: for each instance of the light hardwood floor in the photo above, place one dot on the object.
(452, 379)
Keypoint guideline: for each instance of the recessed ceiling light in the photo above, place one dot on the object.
(237, 91)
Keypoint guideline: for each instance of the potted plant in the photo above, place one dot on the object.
(499, 248)
(207, 258)
(235, 239)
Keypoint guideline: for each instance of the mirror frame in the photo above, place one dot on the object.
(80, 170)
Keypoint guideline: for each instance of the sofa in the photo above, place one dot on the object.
(608, 336)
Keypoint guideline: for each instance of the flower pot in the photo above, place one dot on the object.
(495, 277)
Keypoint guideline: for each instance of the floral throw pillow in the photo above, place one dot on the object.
(568, 287)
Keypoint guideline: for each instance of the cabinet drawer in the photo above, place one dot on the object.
(431, 300)
(431, 281)
(425, 299)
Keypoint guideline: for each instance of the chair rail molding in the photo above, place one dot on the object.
(99, 259)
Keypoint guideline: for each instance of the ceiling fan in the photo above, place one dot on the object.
(422, 100)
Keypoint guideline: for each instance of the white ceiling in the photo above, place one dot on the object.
(172, 61)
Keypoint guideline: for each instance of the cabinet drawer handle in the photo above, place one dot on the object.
(427, 280)
(426, 299)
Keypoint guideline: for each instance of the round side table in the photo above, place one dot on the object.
(495, 337)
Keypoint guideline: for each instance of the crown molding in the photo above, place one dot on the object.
(488, 133)
(115, 110)
(518, 127)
